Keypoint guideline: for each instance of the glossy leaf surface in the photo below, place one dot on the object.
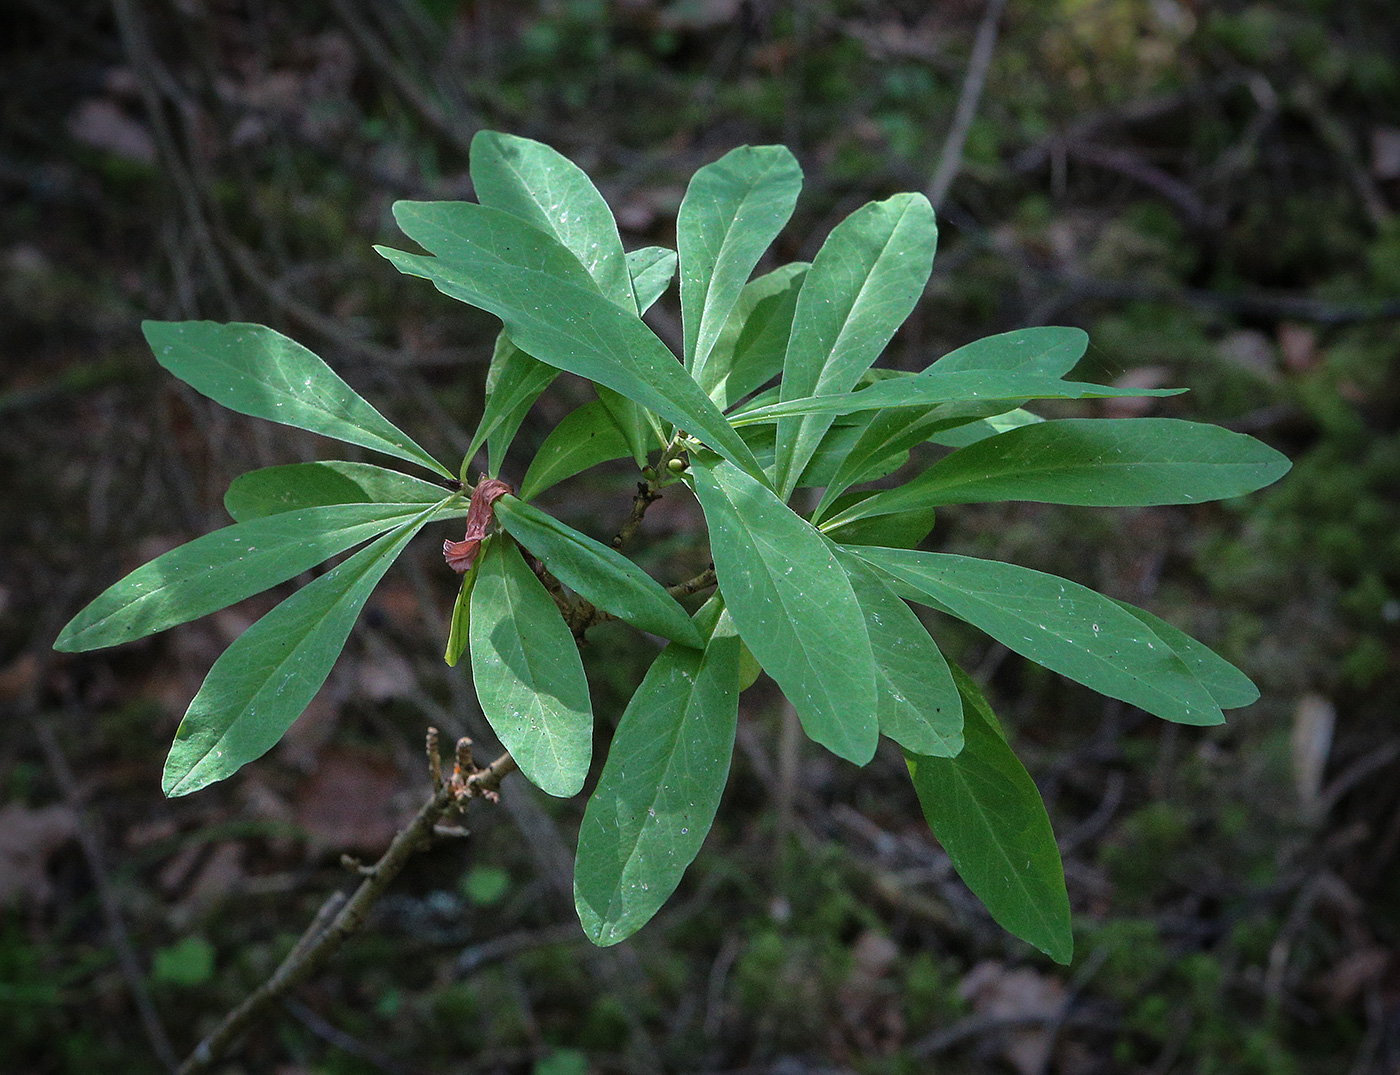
(273, 490)
(1100, 462)
(1066, 627)
(530, 180)
(1047, 350)
(253, 370)
(794, 607)
(917, 703)
(554, 312)
(270, 673)
(751, 346)
(513, 382)
(652, 269)
(219, 569)
(732, 210)
(987, 813)
(528, 675)
(863, 283)
(599, 574)
(1230, 687)
(660, 788)
(586, 437)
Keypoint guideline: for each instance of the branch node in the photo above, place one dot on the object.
(434, 759)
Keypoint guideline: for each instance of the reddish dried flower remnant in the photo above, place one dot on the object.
(461, 554)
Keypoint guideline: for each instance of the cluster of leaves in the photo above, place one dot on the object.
(816, 599)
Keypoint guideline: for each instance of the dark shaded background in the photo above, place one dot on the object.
(1210, 189)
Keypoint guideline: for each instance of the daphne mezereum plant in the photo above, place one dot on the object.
(774, 399)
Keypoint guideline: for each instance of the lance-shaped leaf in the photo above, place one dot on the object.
(661, 785)
(270, 673)
(273, 490)
(1230, 687)
(599, 574)
(987, 813)
(219, 569)
(256, 371)
(586, 437)
(553, 311)
(917, 701)
(963, 435)
(1066, 627)
(537, 184)
(1048, 350)
(884, 445)
(528, 675)
(458, 634)
(732, 210)
(751, 346)
(862, 284)
(652, 269)
(1103, 462)
(794, 606)
(907, 530)
(930, 389)
(530, 180)
(514, 381)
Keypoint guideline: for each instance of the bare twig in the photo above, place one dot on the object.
(950, 160)
(646, 495)
(107, 900)
(379, 56)
(321, 942)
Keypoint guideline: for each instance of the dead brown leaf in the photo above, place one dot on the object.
(999, 993)
(28, 838)
(348, 802)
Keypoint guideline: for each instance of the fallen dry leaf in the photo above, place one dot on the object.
(28, 838)
(348, 802)
(999, 993)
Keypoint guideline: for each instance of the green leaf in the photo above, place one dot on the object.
(273, 490)
(586, 437)
(270, 673)
(1104, 462)
(513, 382)
(794, 606)
(917, 703)
(529, 678)
(553, 311)
(1230, 687)
(1048, 350)
(963, 435)
(732, 210)
(751, 346)
(219, 569)
(652, 268)
(884, 445)
(930, 389)
(661, 785)
(256, 371)
(599, 574)
(531, 181)
(863, 283)
(631, 420)
(459, 634)
(987, 813)
(1066, 627)
(905, 530)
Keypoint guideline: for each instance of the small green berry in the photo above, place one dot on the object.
(675, 466)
